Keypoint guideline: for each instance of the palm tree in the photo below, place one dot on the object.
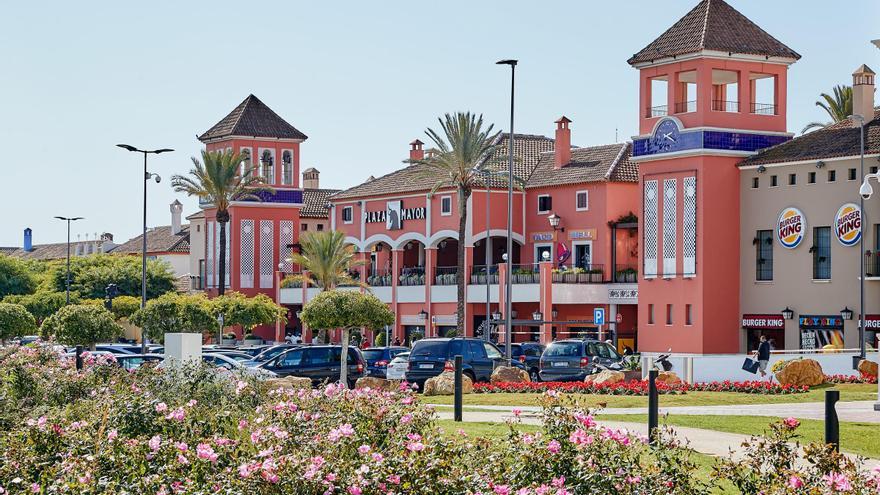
(327, 261)
(464, 147)
(216, 181)
(839, 107)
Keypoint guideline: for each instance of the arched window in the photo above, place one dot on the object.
(245, 160)
(287, 168)
(267, 162)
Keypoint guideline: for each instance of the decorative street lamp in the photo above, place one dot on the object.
(147, 177)
(862, 197)
(554, 220)
(787, 313)
(496, 316)
(509, 285)
(846, 313)
(68, 220)
(423, 314)
(538, 316)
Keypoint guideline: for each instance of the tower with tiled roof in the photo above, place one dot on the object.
(260, 235)
(712, 91)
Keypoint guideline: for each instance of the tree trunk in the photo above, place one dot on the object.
(463, 195)
(222, 219)
(343, 365)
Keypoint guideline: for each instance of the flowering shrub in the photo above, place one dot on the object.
(860, 378)
(640, 387)
(189, 430)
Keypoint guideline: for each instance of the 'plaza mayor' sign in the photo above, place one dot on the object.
(394, 214)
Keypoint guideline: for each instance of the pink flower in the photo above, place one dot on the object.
(364, 449)
(178, 414)
(558, 482)
(35, 487)
(204, 451)
(517, 411)
(240, 386)
(377, 457)
(580, 437)
(245, 470)
(586, 420)
(791, 423)
(837, 481)
(394, 479)
(354, 490)
(112, 435)
(406, 418)
(554, 447)
(415, 446)
(501, 490)
(181, 446)
(155, 442)
(182, 459)
(242, 424)
(161, 407)
(795, 482)
(528, 439)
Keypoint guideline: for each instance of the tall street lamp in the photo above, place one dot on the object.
(68, 220)
(486, 175)
(147, 177)
(509, 280)
(861, 120)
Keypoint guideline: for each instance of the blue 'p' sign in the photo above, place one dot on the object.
(599, 316)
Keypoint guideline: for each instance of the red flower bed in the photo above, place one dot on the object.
(860, 378)
(639, 387)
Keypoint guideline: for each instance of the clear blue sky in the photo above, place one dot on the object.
(361, 79)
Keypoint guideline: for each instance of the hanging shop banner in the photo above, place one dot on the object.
(582, 235)
(763, 322)
(872, 322)
(819, 331)
(848, 224)
(790, 227)
(394, 214)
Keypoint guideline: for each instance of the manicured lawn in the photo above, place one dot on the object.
(848, 392)
(855, 438)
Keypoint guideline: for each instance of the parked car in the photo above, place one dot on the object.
(114, 348)
(28, 339)
(136, 348)
(396, 369)
(273, 351)
(320, 363)
(574, 359)
(253, 350)
(239, 356)
(230, 365)
(132, 362)
(529, 354)
(429, 357)
(377, 359)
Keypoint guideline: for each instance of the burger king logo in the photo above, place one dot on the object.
(790, 227)
(848, 224)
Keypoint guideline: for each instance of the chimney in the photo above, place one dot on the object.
(107, 244)
(28, 245)
(176, 211)
(415, 150)
(863, 92)
(310, 178)
(563, 143)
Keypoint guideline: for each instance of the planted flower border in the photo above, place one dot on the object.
(640, 387)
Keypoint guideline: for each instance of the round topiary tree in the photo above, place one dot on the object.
(347, 310)
(15, 321)
(81, 325)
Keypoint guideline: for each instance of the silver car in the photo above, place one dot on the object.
(396, 369)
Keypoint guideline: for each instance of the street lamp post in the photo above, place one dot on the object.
(147, 177)
(509, 281)
(861, 120)
(67, 281)
(865, 192)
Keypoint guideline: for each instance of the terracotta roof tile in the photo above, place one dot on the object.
(608, 162)
(836, 140)
(159, 240)
(713, 25)
(252, 118)
(54, 251)
(527, 150)
(315, 203)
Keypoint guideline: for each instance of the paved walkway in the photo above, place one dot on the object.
(709, 442)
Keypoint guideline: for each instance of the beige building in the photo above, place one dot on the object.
(799, 235)
(197, 250)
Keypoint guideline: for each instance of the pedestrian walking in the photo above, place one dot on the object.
(762, 355)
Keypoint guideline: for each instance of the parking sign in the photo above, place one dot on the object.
(599, 316)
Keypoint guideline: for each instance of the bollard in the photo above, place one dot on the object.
(458, 387)
(832, 426)
(653, 406)
(79, 357)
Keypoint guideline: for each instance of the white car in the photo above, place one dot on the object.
(397, 367)
(231, 365)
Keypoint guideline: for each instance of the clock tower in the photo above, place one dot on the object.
(712, 92)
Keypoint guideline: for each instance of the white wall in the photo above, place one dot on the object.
(719, 367)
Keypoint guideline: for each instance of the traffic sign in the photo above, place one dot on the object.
(599, 316)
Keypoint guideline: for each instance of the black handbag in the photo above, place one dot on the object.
(750, 365)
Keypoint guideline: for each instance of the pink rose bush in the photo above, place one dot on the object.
(186, 430)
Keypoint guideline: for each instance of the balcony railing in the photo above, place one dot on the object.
(658, 111)
(872, 266)
(686, 106)
(725, 106)
(446, 275)
(480, 273)
(412, 275)
(591, 274)
(625, 274)
(526, 274)
(379, 278)
(763, 109)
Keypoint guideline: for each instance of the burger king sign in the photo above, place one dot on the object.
(848, 224)
(790, 227)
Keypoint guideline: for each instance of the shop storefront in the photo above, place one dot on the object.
(872, 331)
(770, 325)
(821, 331)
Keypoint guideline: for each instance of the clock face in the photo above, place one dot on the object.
(666, 136)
